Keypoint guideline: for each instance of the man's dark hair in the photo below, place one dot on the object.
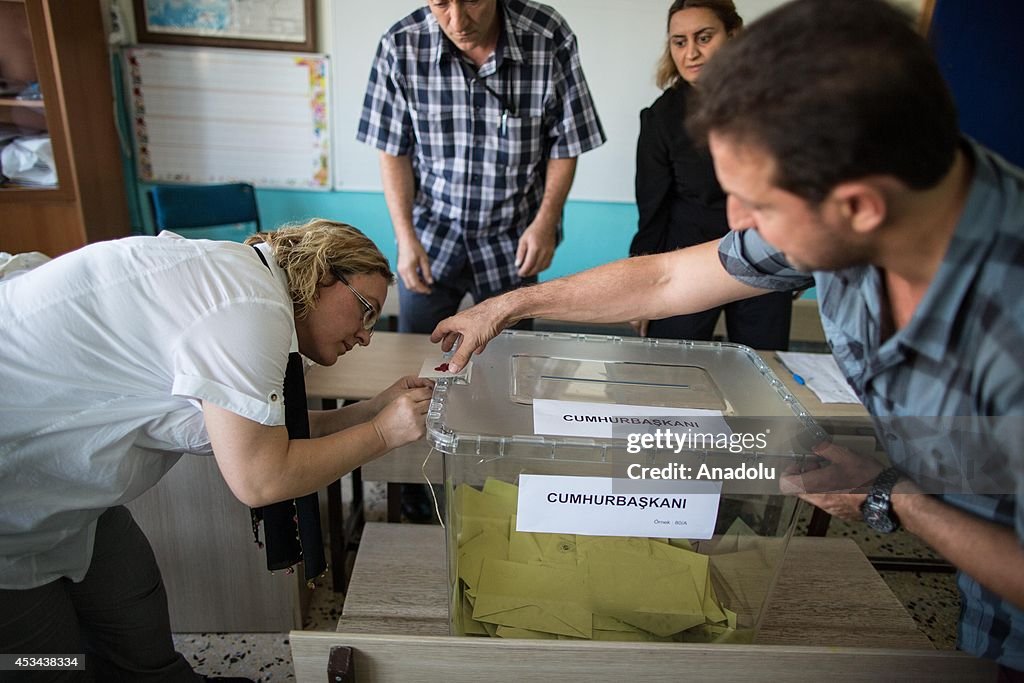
(834, 90)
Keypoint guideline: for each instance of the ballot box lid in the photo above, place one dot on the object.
(581, 397)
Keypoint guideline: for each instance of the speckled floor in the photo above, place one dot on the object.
(930, 597)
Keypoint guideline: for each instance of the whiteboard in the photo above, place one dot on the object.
(209, 115)
(620, 42)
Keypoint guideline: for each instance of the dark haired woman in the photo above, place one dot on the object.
(680, 200)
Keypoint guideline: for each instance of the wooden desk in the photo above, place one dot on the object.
(366, 371)
(830, 615)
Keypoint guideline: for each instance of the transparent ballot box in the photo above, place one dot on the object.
(613, 488)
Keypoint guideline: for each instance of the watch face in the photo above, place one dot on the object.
(878, 520)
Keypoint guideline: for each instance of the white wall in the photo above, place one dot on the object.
(620, 42)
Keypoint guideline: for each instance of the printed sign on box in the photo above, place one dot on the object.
(602, 506)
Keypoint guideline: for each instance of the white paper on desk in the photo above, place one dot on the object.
(579, 418)
(821, 375)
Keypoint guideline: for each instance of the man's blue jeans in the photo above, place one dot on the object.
(422, 312)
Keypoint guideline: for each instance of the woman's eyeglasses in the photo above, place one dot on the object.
(370, 313)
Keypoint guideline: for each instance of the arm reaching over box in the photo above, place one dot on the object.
(647, 287)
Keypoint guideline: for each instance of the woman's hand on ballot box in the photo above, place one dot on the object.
(401, 386)
(400, 418)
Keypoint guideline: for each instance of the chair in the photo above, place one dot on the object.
(224, 212)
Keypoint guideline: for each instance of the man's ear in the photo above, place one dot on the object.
(862, 204)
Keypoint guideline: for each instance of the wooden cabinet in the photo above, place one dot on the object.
(63, 46)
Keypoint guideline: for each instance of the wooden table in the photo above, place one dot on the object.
(829, 615)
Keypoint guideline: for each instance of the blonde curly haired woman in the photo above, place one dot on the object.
(123, 355)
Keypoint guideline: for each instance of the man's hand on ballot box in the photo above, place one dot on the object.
(472, 329)
(838, 485)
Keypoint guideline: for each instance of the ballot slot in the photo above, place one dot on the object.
(508, 583)
(618, 382)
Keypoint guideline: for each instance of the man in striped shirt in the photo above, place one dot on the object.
(479, 109)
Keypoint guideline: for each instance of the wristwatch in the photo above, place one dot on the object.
(877, 507)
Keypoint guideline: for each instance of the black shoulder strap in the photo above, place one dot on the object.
(292, 527)
(262, 257)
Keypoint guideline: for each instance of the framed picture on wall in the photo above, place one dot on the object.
(254, 24)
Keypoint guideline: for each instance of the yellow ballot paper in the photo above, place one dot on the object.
(554, 585)
(533, 597)
(476, 551)
(713, 610)
(474, 526)
(470, 626)
(593, 547)
(652, 594)
(509, 493)
(739, 536)
(681, 543)
(548, 549)
(605, 623)
(743, 580)
(700, 570)
(511, 632)
(473, 503)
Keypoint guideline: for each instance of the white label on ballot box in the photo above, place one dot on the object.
(602, 506)
(579, 418)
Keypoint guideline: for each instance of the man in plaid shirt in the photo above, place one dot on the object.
(836, 140)
(479, 109)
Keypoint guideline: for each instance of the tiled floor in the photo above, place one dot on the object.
(930, 597)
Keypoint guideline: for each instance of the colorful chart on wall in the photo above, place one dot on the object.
(215, 115)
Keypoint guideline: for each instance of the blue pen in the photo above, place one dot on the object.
(798, 379)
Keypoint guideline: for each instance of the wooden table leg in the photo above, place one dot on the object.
(394, 494)
(336, 536)
(341, 536)
(818, 526)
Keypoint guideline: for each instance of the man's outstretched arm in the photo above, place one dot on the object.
(651, 287)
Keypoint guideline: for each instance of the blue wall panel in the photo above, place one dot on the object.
(980, 49)
(595, 232)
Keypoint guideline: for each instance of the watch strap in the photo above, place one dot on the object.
(879, 500)
(884, 482)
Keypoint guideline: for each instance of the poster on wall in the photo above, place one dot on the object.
(259, 24)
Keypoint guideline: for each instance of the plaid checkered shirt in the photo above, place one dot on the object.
(480, 139)
(946, 392)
